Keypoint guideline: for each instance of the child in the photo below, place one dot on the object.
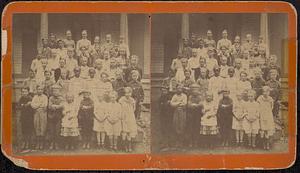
(170, 81)
(83, 46)
(165, 115)
(106, 61)
(267, 125)
(211, 62)
(258, 82)
(84, 73)
(238, 118)
(40, 71)
(223, 67)
(76, 84)
(85, 118)
(129, 126)
(71, 62)
(63, 82)
(215, 83)
(54, 116)
(194, 112)
(225, 116)
(133, 66)
(48, 82)
(69, 122)
(26, 117)
(112, 124)
(179, 102)
(231, 83)
(243, 84)
(101, 113)
(31, 83)
(98, 67)
(176, 66)
(119, 84)
(137, 93)
(69, 42)
(93, 84)
(39, 104)
(275, 86)
(105, 85)
(203, 82)
(251, 121)
(36, 63)
(208, 128)
(187, 82)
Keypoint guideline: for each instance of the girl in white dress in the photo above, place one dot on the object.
(129, 126)
(238, 118)
(69, 122)
(251, 122)
(267, 125)
(112, 124)
(100, 111)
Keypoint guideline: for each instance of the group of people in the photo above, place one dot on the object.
(77, 89)
(218, 91)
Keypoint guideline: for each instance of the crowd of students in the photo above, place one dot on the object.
(78, 89)
(218, 91)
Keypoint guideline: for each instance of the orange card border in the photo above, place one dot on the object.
(151, 161)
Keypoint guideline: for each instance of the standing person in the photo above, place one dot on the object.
(129, 126)
(61, 51)
(194, 113)
(258, 82)
(193, 41)
(68, 41)
(84, 68)
(101, 113)
(266, 119)
(236, 49)
(71, 62)
(231, 83)
(193, 62)
(165, 116)
(137, 93)
(186, 49)
(203, 82)
(243, 85)
(179, 102)
(248, 45)
(187, 82)
(209, 41)
(123, 45)
(275, 92)
(238, 118)
(224, 41)
(224, 67)
(40, 71)
(208, 124)
(54, 116)
(83, 46)
(36, 63)
(76, 84)
(108, 45)
(170, 81)
(47, 83)
(46, 51)
(133, 66)
(238, 68)
(62, 66)
(39, 103)
(211, 61)
(69, 123)
(112, 124)
(52, 41)
(215, 83)
(119, 84)
(201, 50)
(26, 117)
(85, 118)
(31, 83)
(225, 116)
(251, 121)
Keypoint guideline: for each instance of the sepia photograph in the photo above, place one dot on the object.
(219, 83)
(81, 83)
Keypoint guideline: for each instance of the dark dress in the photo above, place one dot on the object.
(26, 116)
(225, 116)
(166, 115)
(138, 95)
(85, 118)
(194, 114)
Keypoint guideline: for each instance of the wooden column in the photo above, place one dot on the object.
(124, 26)
(185, 24)
(264, 31)
(43, 28)
(147, 48)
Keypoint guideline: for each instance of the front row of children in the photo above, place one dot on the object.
(64, 120)
(208, 119)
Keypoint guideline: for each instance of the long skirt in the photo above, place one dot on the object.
(179, 120)
(40, 122)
